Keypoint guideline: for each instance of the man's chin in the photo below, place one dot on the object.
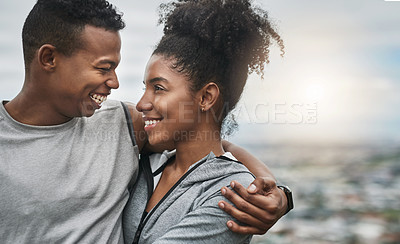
(87, 111)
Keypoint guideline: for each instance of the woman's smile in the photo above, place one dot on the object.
(150, 123)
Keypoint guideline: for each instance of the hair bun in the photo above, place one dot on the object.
(233, 27)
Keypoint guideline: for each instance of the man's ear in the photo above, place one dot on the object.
(47, 57)
(210, 94)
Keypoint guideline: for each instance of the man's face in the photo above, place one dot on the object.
(83, 80)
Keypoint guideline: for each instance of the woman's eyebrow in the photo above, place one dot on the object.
(155, 79)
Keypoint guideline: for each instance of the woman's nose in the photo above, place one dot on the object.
(144, 104)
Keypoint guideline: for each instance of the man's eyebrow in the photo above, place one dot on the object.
(107, 61)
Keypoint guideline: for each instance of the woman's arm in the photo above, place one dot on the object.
(259, 206)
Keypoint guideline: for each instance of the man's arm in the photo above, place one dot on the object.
(259, 206)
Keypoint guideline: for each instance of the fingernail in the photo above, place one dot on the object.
(221, 205)
(232, 184)
(252, 188)
(230, 224)
(223, 191)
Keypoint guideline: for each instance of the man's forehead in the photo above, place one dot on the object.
(102, 43)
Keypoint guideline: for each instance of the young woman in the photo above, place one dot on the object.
(193, 79)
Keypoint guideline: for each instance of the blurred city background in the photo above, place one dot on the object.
(325, 118)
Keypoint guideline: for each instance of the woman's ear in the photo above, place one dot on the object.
(210, 94)
(47, 57)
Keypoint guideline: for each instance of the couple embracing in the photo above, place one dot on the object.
(61, 182)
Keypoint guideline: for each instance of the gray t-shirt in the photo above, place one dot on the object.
(66, 183)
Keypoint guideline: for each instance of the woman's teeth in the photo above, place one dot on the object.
(151, 122)
(98, 98)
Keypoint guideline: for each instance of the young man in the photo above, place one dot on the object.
(66, 165)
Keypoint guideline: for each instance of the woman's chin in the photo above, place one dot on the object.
(155, 140)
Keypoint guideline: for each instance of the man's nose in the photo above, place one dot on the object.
(113, 82)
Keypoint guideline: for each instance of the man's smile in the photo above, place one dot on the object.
(98, 98)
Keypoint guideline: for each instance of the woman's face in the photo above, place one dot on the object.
(170, 110)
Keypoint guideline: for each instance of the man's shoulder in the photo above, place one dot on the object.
(111, 111)
(110, 105)
(109, 108)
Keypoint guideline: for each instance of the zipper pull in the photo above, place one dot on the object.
(138, 232)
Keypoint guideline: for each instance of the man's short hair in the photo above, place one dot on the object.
(60, 23)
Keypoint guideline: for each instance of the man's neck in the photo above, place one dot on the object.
(33, 112)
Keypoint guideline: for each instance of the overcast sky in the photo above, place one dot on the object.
(339, 79)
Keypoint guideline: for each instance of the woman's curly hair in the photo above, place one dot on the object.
(219, 41)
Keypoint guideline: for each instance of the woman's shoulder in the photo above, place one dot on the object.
(220, 171)
(232, 166)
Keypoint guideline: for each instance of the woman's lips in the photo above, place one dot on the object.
(150, 123)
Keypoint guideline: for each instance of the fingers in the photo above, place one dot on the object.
(252, 189)
(259, 210)
(255, 225)
(242, 199)
(246, 211)
(246, 230)
(262, 185)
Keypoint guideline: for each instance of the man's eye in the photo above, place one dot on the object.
(158, 88)
(105, 69)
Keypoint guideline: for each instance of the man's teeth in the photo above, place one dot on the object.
(98, 98)
(151, 122)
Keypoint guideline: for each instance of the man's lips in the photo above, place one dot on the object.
(98, 98)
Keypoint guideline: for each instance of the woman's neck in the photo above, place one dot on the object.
(188, 152)
(192, 150)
